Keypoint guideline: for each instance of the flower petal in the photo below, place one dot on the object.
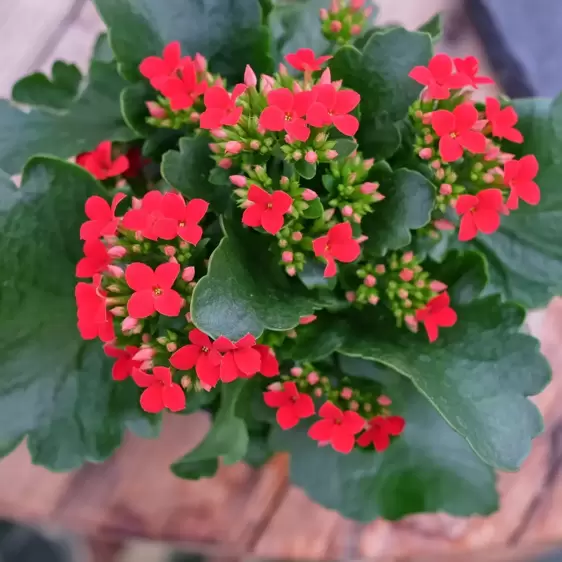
(151, 400)
(467, 230)
(353, 422)
(141, 304)
(441, 67)
(330, 411)
(346, 101)
(346, 124)
(168, 303)
(421, 75)
(174, 398)
(216, 97)
(318, 115)
(207, 372)
(248, 360)
(281, 201)
(298, 129)
(229, 371)
(196, 210)
(252, 216)
(321, 430)
(140, 277)
(304, 406)
(466, 116)
(272, 221)
(185, 357)
(275, 398)
(473, 141)
(166, 274)
(487, 221)
(342, 440)
(302, 102)
(286, 416)
(173, 206)
(450, 149)
(191, 233)
(282, 98)
(98, 208)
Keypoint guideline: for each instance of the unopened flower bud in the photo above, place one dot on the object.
(116, 272)
(437, 286)
(346, 393)
(155, 110)
(354, 405)
(144, 354)
(255, 144)
(446, 189)
(171, 347)
(233, 147)
(356, 29)
(291, 271)
(408, 257)
(426, 153)
(309, 195)
(367, 12)
(307, 319)
(335, 26)
(117, 252)
(219, 133)
(370, 281)
(170, 251)
(403, 294)
(488, 178)
(369, 187)
(283, 69)
(331, 154)
(312, 378)
(225, 163)
(250, 78)
(350, 296)
(267, 84)
(296, 371)
(118, 311)
(297, 155)
(318, 392)
(347, 211)
(324, 14)
(406, 275)
(129, 323)
(311, 157)
(185, 382)
(188, 274)
(200, 63)
(383, 400)
(328, 214)
(238, 181)
(380, 269)
(368, 164)
(436, 164)
(373, 299)
(296, 236)
(194, 117)
(411, 322)
(287, 257)
(443, 224)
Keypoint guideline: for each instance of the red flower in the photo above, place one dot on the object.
(268, 209)
(158, 70)
(439, 77)
(286, 110)
(240, 360)
(149, 219)
(136, 162)
(160, 391)
(337, 428)
(502, 121)
(202, 355)
(123, 367)
(456, 130)
(95, 261)
(183, 90)
(103, 221)
(437, 314)
(153, 290)
(292, 406)
(480, 213)
(338, 245)
(305, 60)
(379, 430)
(269, 364)
(93, 318)
(331, 108)
(469, 67)
(186, 217)
(519, 176)
(99, 162)
(221, 107)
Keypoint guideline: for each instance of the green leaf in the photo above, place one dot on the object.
(477, 375)
(188, 171)
(228, 439)
(54, 387)
(465, 274)
(305, 170)
(525, 255)
(57, 93)
(246, 291)
(409, 201)
(94, 117)
(430, 468)
(434, 27)
(102, 49)
(379, 136)
(228, 32)
(134, 110)
(344, 147)
(315, 209)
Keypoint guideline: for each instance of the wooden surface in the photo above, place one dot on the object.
(243, 511)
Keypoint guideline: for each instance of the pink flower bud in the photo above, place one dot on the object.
(403, 294)
(297, 155)
(144, 354)
(287, 257)
(335, 26)
(437, 286)
(225, 163)
(368, 164)
(383, 400)
(370, 280)
(215, 148)
(420, 283)
(488, 178)
(292, 334)
(335, 6)
(275, 386)
(356, 5)
(297, 88)
(250, 78)
(368, 12)
(238, 181)
(219, 82)
(116, 252)
(443, 224)
(331, 154)
(369, 187)
(118, 311)
(296, 236)
(321, 138)
(356, 29)
(312, 378)
(116, 272)
(408, 257)
(350, 296)
(428, 139)
(407, 275)
(436, 164)
(188, 274)
(296, 371)
(324, 14)
(169, 251)
(347, 211)
(357, 218)
(219, 133)
(155, 110)
(326, 77)
(352, 177)
(267, 84)
(233, 147)
(354, 405)
(362, 239)
(307, 319)
(194, 117)
(283, 69)
(171, 347)
(129, 324)
(446, 189)
(328, 214)
(346, 393)
(426, 153)
(200, 63)
(311, 157)
(291, 271)
(255, 144)
(318, 392)
(407, 303)
(284, 180)
(380, 269)
(411, 322)
(146, 338)
(440, 174)
(374, 300)
(309, 194)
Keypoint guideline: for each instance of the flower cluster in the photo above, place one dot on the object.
(461, 141)
(343, 22)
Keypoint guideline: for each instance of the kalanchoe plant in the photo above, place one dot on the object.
(324, 258)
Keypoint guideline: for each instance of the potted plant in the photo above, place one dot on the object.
(296, 220)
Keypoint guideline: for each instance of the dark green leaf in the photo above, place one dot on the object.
(434, 27)
(312, 276)
(57, 93)
(94, 117)
(246, 291)
(305, 170)
(430, 468)
(379, 136)
(102, 49)
(228, 439)
(54, 387)
(409, 201)
(478, 374)
(133, 107)
(344, 147)
(315, 209)
(229, 33)
(525, 255)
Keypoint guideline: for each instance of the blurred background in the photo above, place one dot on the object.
(131, 509)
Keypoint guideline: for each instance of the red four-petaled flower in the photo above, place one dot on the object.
(183, 89)
(437, 314)
(439, 77)
(94, 320)
(161, 392)
(153, 290)
(149, 219)
(200, 354)
(123, 367)
(221, 108)
(306, 61)
(502, 121)
(286, 111)
(469, 67)
(332, 107)
(378, 432)
(519, 175)
(240, 360)
(159, 70)
(338, 245)
(185, 217)
(268, 210)
(337, 427)
(457, 132)
(479, 213)
(292, 406)
(103, 221)
(100, 163)
(95, 260)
